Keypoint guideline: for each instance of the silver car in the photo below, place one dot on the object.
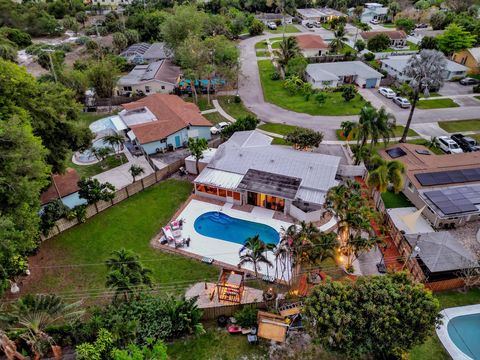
(402, 102)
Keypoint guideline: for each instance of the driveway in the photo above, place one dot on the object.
(454, 88)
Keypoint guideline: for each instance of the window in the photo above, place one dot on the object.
(229, 193)
(236, 196)
(163, 87)
(127, 88)
(147, 89)
(207, 189)
(222, 192)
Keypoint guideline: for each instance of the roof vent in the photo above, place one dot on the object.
(272, 161)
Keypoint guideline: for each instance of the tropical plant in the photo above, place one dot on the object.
(100, 153)
(126, 274)
(379, 42)
(98, 350)
(116, 141)
(152, 351)
(243, 123)
(348, 92)
(320, 98)
(197, 147)
(135, 170)
(428, 42)
(375, 124)
(246, 316)
(253, 252)
(93, 190)
(33, 314)
(348, 128)
(336, 45)
(287, 51)
(426, 73)
(360, 45)
(384, 172)
(303, 138)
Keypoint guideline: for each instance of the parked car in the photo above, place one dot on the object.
(375, 21)
(469, 81)
(421, 26)
(402, 102)
(387, 92)
(317, 24)
(309, 25)
(448, 145)
(217, 129)
(466, 143)
(271, 25)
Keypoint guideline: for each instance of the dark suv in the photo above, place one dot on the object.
(466, 143)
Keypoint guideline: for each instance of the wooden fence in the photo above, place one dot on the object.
(120, 195)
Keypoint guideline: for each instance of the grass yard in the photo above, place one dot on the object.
(262, 53)
(279, 141)
(398, 133)
(274, 93)
(281, 129)
(436, 104)
(261, 45)
(87, 118)
(214, 117)
(393, 200)
(110, 162)
(232, 108)
(389, 26)
(289, 29)
(202, 101)
(74, 260)
(460, 125)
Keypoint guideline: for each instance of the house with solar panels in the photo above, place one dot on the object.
(446, 186)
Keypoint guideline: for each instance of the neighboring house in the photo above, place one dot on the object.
(143, 53)
(64, 187)
(448, 186)
(398, 38)
(247, 169)
(470, 58)
(157, 77)
(112, 3)
(161, 122)
(395, 66)
(371, 11)
(275, 17)
(338, 73)
(322, 15)
(312, 45)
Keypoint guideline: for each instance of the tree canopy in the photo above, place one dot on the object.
(455, 38)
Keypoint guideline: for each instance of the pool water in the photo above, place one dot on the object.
(87, 155)
(464, 331)
(221, 226)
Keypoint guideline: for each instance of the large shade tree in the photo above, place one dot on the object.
(426, 73)
(376, 317)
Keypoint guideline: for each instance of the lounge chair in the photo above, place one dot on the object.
(207, 260)
(167, 231)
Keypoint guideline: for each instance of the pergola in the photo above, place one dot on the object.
(230, 286)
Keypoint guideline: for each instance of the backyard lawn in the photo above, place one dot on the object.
(460, 125)
(110, 162)
(202, 101)
(233, 108)
(74, 260)
(275, 93)
(288, 29)
(88, 117)
(436, 104)
(392, 200)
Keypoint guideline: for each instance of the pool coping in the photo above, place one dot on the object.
(442, 330)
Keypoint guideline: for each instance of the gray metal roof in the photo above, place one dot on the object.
(333, 70)
(440, 251)
(223, 179)
(400, 62)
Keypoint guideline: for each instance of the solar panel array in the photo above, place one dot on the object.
(449, 177)
(455, 200)
(396, 152)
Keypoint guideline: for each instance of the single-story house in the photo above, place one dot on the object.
(395, 65)
(371, 11)
(111, 3)
(319, 14)
(312, 45)
(158, 77)
(470, 58)
(160, 122)
(248, 169)
(144, 53)
(398, 38)
(338, 73)
(275, 17)
(63, 187)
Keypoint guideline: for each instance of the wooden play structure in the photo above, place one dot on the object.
(272, 326)
(230, 286)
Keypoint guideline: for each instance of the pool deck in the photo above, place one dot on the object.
(442, 330)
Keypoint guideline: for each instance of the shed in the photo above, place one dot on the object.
(190, 162)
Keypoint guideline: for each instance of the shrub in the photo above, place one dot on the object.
(256, 28)
(379, 42)
(360, 45)
(369, 56)
(476, 89)
(275, 76)
(304, 138)
(51, 213)
(321, 98)
(244, 123)
(237, 100)
(246, 316)
(348, 92)
(19, 37)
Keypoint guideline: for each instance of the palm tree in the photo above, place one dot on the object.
(287, 51)
(385, 172)
(426, 72)
(136, 170)
(126, 273)
(375, 124)
(197, 147)
(32, 314)
(116, 141)
(340, 36)
(255, 253)
(348, 128)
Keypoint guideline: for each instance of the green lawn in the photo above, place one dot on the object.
(280, 129)
(233, 108)
(261, 45)
(436, 104)
(397, 132)
(289, 29)
(392, 200)
(74, 260)
(460, 125)
(410, 46)
(279, 141)
(276, 45)
(214, 118)
(274, 93)
(110, 162)
(389, 25)
(202, 102)
(87, 118)
(262, 53)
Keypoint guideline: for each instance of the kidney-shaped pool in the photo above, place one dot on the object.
(221, 226)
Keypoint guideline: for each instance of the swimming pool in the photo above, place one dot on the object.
(218, 225)
(460, 332)
(87, 156)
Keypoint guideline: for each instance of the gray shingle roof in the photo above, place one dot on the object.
(162, 70)
(400, 62)
(331, 71)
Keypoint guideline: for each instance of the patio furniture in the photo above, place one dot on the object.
(252, 339)
(176, 225)
(167, 231)
(207, 260)
(234, 329)
(270, 279)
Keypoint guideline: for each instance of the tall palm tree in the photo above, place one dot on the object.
(287, 51)
(126, 273)
(136, 170)
(32, 314)
(116, 141)
(340, 37)
(384, 172)
(255, 253)
(426, 73)
(375, 124)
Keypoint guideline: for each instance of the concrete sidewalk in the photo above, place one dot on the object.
(222, 112)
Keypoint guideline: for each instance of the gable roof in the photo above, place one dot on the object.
(333, 70)
(392, 34)
(66, 184)
(155, 51)
(163, 70)
(310, 41)
(400, 62)
(170, 114)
